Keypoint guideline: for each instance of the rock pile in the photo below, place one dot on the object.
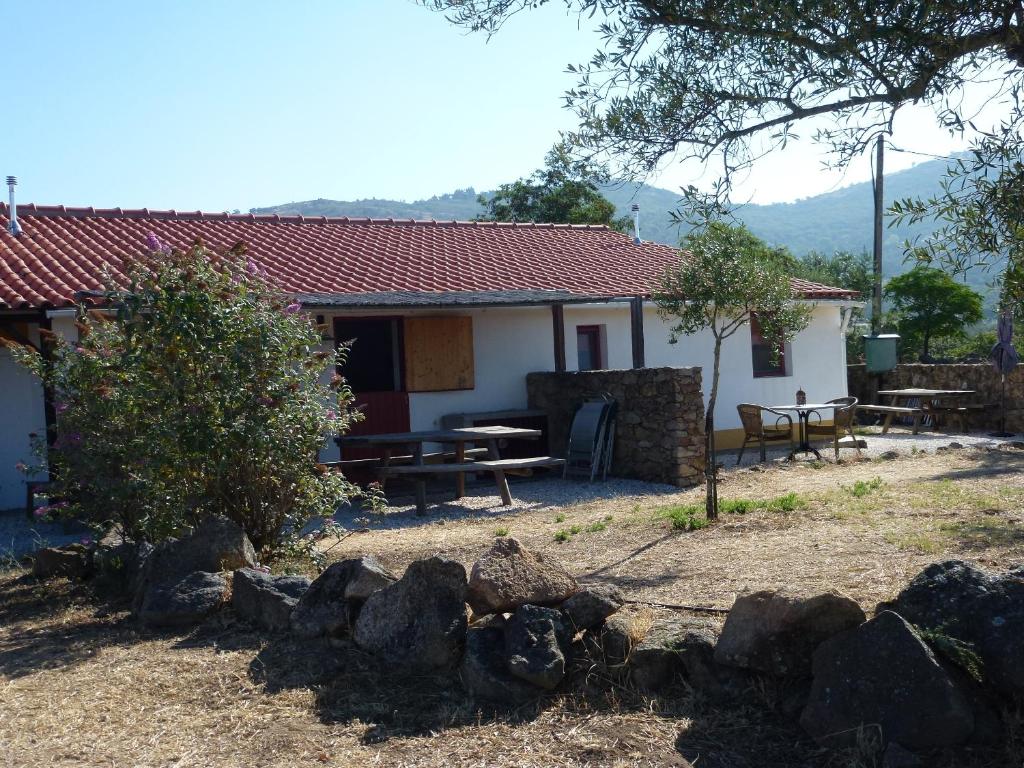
(926, 672)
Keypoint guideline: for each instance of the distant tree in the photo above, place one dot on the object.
(724, 277)
(564, 191)
(928, 303)
(980, 213)
(842, 269)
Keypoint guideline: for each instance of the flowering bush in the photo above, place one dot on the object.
(201, 390)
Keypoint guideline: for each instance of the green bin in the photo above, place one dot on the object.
(880, 352)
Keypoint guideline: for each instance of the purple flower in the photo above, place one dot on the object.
(41, 511)
(292, 308)
(20, 466)
(262, 568)
(266, 400)
(251, 267)
(153, 242)
(58, 505)
(331, 414)
(60, 407)
(86, 540)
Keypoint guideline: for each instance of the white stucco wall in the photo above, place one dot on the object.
(21, 414)
(817, 363)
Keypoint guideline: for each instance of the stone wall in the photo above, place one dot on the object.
(660, 431)
(980, 377)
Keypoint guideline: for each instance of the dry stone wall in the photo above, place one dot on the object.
(980, 377)
(660, 432)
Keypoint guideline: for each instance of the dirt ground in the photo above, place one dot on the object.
(81, 685)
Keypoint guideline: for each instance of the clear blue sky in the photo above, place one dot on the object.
(226, 104)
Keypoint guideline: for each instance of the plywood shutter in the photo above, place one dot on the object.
(438, 353)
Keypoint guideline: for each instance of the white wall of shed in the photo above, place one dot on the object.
(21, 414)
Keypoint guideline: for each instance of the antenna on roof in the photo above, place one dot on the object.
(13, 226)
(636, 223)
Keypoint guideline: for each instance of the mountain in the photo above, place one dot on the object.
(839, 220)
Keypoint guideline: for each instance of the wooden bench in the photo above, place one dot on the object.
(958, 412)
(437, 457)
(498, 467)
(891, 411)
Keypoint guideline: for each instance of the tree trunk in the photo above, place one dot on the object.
(711, 454)
(924, 354)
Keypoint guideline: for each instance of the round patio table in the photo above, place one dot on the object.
(803, 412)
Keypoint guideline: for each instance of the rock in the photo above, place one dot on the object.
(484, 669)
(882, 675)
(332, 602)
(717, 682)
(611, 645)
(889, 455)
(266, 601)
(536, 641)
(72, 561)
(982, 609)
(776, 632)
(184, 603)
(657, 660)
(216, 544)
(509, 576)
(592, 605)
(119, 565)
(419, 622)
(896, 756)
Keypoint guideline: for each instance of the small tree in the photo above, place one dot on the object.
(198, 391)
(929, 304)
(726, 276)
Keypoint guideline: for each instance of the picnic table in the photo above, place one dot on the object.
(418, 470)
(916, 402)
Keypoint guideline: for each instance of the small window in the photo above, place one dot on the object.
(766, 362)
(588, 348)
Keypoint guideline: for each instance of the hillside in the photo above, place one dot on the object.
(839, 220)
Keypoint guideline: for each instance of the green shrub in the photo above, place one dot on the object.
(560, 517)
(597, 527)
(684, 517)
(502, 531)
(199, 392)
(862, 488)
(563, 535)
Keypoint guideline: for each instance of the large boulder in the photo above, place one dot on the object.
(71, 561)
(118, 565)
(266, 601)
(420, 621)
(183, 603)
(882, 675)
(592, 605)
(670, 647)
(484, 670)
(974, 606)
(611, 644)
(332, 602)
(776, 631)
(215, 544)
(509, 576)
(536, 641)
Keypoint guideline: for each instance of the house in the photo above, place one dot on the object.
(448, 317)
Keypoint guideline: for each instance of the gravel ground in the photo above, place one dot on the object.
(901, 441)
(482, 500)
(20, 534)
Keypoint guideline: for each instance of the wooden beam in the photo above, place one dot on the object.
(558, 328)
(636, 327)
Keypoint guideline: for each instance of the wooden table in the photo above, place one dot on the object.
(457, 437)
(803, 412)
(898, 403)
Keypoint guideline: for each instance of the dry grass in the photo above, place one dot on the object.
(80, 685)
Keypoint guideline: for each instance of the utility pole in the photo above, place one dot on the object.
(876, 293)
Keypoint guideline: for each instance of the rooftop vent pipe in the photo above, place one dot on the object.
(636, 223)
(13, 226)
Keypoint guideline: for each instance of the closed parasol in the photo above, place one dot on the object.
(1004, 359)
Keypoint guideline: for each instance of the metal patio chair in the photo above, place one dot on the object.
(754, 428)
(842, 423)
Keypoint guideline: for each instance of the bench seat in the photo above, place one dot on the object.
(890, 409)
(375, 462)
(492, 465)
(498, 467)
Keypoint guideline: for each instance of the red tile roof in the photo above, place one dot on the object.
(64, 250)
